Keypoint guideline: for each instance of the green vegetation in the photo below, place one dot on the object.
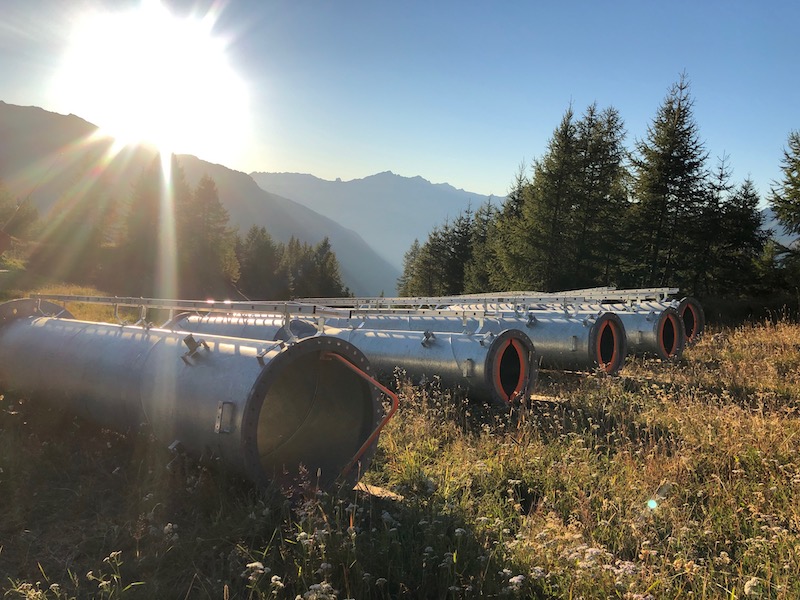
(163, 239)
(669, 481)
(593, 212)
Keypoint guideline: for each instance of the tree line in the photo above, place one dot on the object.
(166, 239)
(591, 212)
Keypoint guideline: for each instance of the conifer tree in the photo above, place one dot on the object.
(207, 244)
(259, 257)
(741, 242)
(148, 256)
(599, 199)
(482, 263)
(785, 197)
(506, 237)
(669, 192)
(328, 280)
(405, 282)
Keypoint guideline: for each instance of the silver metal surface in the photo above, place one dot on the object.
(516, 297)
(265, 408)
(495, 366)
(657, 331)
(561, 340)
(259, 327)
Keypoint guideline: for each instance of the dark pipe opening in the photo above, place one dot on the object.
(689, 322)
(669, 337)
(511, 369)
(316, 413)
(607, 347)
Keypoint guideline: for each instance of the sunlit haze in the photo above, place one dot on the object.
(454, 92)
(145, 75)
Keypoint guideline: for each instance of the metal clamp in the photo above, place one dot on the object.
(428, 337)
(194, 346)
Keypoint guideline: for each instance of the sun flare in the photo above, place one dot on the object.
(147, 76)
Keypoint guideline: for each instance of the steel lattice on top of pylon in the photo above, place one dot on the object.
(600, 295)
(309, 310)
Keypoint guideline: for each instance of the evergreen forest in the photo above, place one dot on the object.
(593, 212)
(163, 239)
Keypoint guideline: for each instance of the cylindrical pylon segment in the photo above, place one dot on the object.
(267, 409)
(694, 318)
(562, 341)
(259, 327)
(657, 333)
(585, 343)
(497, 367)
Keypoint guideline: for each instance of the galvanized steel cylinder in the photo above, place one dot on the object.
(694, 318)
(265, 408)
(657, 332)
(561, 341)
(496, 367)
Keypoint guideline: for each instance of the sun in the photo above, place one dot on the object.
(145, 75)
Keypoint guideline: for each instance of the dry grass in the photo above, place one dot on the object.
(669, 481)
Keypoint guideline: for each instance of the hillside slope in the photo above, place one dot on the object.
(46, 156)
(388, 210)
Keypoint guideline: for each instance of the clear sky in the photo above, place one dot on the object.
(461, 92)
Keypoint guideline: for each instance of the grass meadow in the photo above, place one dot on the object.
(668, 481)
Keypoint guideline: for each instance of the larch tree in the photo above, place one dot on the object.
(482, 262)
(669, 191)
(785, 196)
(406, 280)
(208, 257)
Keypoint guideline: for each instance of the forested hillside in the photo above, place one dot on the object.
(167, 239)
(61, 170)
(593, 211)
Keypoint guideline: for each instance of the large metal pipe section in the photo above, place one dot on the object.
(562, 341)
(265, 408)
(689, 310)
(256, 326)
(657, 332)
(498, 367)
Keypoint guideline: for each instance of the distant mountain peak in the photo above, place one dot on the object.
(389, 210)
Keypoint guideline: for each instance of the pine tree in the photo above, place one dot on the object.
(207, 244)
(669, 192)
(785, 197)
(406, 280)
(148, 258)
(482, 263)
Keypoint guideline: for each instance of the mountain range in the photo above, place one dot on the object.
(45, 156)
(371, 222)
(389, 211)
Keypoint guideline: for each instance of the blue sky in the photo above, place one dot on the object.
(462, 92)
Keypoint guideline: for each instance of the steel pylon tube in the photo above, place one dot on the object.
(561, 340)
(264, 408)
(498, 367)
(658, 332)
(579, 343)
(694, 318)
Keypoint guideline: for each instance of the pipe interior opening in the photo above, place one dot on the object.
(689, 321)
(669, 337)
(317, 413)
(607, 346)
(511, 369)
